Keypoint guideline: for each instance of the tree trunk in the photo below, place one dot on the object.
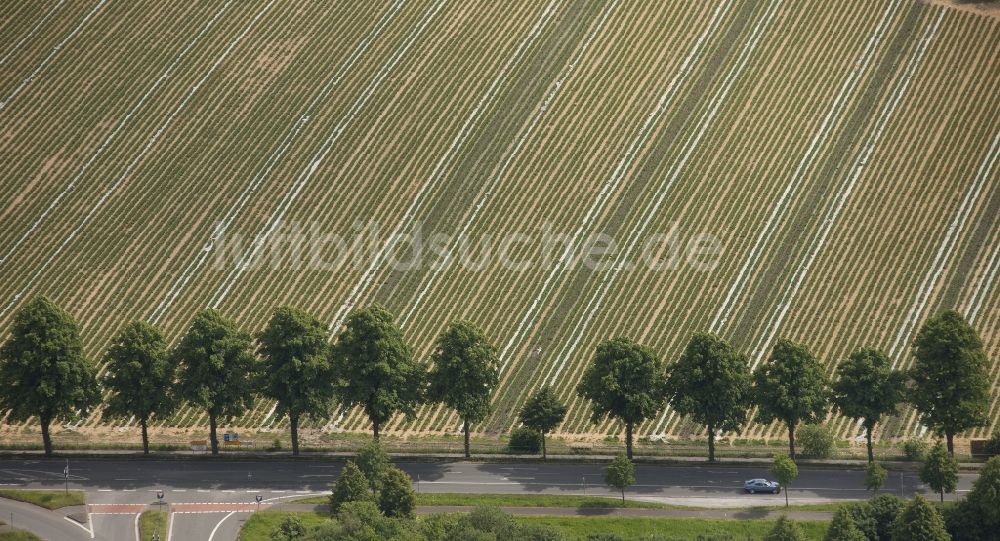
(951, 442)
(143, 423)
(942, 495)
(628, 443)
(375, 429)
(465, 428)
(293, 421)
(868, 441)
(711, 444)
(212, 436)
(791, 441)
(543, 446)
(623, 496)
(785, 490)
(46, 438)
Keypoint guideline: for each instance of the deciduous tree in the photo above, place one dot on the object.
(375, 368)
(940, 470)
(43, 369)
(620, 474)
(950, 382)
(465, 372)
(215, 363)
(624, 381)
(867, 388)
(792, 388)
(785, 471)
(139, 376)
(711, 384)
(296, 371)
(543, 412)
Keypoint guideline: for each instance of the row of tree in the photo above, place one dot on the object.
(220, 368)
(712, 383)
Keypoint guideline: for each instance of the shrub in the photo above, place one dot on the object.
(525, 441)
(396, 497)
(290, 529)
(915, 450)
(351, 486)
(785, 530)
(491, 523)
(816, 441)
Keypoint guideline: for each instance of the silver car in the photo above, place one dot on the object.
(754, 486)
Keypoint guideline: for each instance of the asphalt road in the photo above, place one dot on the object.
(207, 496)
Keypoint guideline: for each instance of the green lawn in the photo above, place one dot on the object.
(259, 526)
(150, 522)
(680, 528)
(49, 499)
(18, 535)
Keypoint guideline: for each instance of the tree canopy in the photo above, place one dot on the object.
(375, 368)
(296, 371)
(543, 412)
(215, 363)
(711, 384)
(624, 381)
(867, 388)
(43, 368)
(139, 376)
(950, 381)
(465, 372)
(919, 521)
(791, 387)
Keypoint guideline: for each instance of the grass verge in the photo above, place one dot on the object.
(674, 528)
(260, 525)
(18, 535)
(49, 499)
(151, 522)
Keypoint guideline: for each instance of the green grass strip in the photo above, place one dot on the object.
(151, 522)
(49, 499)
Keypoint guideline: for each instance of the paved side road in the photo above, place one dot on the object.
(49, 525)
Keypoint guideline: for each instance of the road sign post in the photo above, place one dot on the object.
(66, 476)
(258, 498)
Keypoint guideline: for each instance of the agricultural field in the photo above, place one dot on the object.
(827, 172)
